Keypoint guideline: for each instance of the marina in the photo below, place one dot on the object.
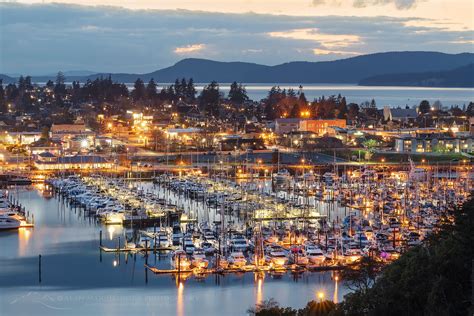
(298, 223)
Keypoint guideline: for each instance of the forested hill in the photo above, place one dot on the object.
(462, 77)
(350, 71)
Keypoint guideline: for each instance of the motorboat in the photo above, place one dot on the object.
(276, 256)
(315, 254)
(238, 243)
(198, 259)
(188, 246)
(180, 260)
(9, 223)
(237, 259)
(297, 256)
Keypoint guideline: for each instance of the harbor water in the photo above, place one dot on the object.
(73, 277)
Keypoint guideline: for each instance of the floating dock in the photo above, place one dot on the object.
(248, 268)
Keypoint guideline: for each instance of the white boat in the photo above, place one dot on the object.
(315, 254)
(297, 256)
(276, 256)
(281, 177)
(180, 261)
(237, 259)
(198, 259)
(188, 246)
(9, 223)
(238, 243)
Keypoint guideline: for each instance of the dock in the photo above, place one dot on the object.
(249, 268)
(137, 249)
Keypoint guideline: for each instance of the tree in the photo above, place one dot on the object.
(424, 107)
(3, 103)
(237, 93)
(295, 111)
(353, 111)
(314, 308)
(190, 90)
(60, 87)
(151, 90)
(470, 109)
(271, 308)
(210, 98)
(139, 91)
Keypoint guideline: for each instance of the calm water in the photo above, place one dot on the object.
(393, 96)
(78, 280)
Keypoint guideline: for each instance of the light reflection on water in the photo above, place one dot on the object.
(78, 280)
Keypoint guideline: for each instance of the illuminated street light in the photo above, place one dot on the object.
(320, 295)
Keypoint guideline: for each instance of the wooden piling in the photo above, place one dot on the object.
(39, 268)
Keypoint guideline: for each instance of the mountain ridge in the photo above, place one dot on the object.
(350, 70)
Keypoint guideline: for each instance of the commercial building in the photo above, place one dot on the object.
(47, 161)
(426, 143)
(321, 127)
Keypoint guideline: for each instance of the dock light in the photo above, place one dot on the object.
(115, 263)
(84, 143)
(336, 278)
(383, 159)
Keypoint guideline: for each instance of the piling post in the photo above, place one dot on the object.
(146, 251)
(39, 268)
(100, 238)
(118, 248)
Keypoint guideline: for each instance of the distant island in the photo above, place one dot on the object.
(430, 69)
(459, 77)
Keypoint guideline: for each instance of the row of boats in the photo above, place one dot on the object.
(11, 215)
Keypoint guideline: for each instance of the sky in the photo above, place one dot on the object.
(139, 36)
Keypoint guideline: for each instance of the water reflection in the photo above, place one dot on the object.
(179, 301)
(23, 239)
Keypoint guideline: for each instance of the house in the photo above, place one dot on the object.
(399, 114)
(286, 125)
(50, 162)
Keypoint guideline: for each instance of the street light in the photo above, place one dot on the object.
(321, 295)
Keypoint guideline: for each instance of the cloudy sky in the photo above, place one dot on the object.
(41, 37)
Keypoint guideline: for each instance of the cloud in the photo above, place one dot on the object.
(399, 4)
(315, 35)
(320, 51)
(189, 49)
(39, 39)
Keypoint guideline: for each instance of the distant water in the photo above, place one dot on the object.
(392, 96)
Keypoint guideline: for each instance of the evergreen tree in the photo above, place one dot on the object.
(190, 90)
(295, 111)
(210, 98)
(424, 107)
(237, 93)
(60, 87)
(152, 90)
(3, 103)
(139, 91)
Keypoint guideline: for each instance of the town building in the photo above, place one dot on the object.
(426, 143)
(321, 127)
(286, 125)
(48, 161)
(399, 114)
